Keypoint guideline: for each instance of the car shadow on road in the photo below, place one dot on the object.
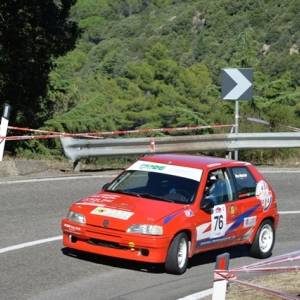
(211, 256)
(196, 260)
(114, 262)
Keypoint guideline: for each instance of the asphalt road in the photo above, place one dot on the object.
(32, 209)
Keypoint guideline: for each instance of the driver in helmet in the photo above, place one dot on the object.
(210, 187)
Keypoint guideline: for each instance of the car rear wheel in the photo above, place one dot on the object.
(177, 257)
(263, 242)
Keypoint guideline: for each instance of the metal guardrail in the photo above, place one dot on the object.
(77, 149)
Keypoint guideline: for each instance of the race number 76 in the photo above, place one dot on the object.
(218, 219)
(219, 223)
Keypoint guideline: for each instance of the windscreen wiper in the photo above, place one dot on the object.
(147, 195)
(124, 192)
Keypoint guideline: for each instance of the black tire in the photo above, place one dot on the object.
(264, 240)
(177, 257)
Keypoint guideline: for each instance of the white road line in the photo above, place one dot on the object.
(55, 178)
(197, 296)
(29, 244)
(289, 212)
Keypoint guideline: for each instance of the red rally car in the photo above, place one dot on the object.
(166, 208)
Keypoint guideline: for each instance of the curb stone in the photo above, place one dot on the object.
(16, 168)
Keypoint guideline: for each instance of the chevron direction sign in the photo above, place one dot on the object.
(237, 84)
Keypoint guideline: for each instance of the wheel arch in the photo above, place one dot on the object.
(264, 239)
(272, 219)
(189, 236)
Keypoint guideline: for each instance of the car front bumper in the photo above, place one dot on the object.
(138, 247)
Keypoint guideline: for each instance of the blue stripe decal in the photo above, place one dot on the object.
(169, 218)
(240, 219)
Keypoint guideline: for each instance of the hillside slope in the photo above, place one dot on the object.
(153, 64)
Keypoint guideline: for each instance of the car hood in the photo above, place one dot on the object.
(123, 210)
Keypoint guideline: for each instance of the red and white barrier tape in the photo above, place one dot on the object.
(267, 123)
(29, 137)
(256, 268)
(223, 274)
(268, 270)
(32, 137)
(122, 131)
(275, 260)
(55, 134)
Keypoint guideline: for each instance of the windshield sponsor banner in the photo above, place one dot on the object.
(184, 172)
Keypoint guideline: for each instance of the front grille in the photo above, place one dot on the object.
(105, 230)
(106, 244)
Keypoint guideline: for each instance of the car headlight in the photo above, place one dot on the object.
(76, 217)
(145, 229)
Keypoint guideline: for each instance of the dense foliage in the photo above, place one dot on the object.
(157, 63)
(32, 35)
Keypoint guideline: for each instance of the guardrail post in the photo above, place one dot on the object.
(3, 128)
(220, 277)
(76, 166)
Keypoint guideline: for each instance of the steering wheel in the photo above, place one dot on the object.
(184, 193)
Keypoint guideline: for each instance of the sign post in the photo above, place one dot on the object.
(220, 277)
(237, 84)
(3, 128)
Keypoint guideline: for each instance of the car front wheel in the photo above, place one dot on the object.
(263, 242)
(177, 257)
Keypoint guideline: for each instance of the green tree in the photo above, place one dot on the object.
(32, 34)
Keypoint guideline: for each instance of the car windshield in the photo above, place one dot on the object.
(156, 186)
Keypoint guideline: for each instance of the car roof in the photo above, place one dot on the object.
(192, 161)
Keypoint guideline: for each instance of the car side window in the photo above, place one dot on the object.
(245, 182)
(219, 186)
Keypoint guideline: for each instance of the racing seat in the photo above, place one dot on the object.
(217, 192)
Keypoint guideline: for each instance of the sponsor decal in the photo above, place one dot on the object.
(218, 209)
(247, 235)
(264, 194)
(113, 213)
(247, 195)
(241, 175)
(232, 209)
(152, 167)
(185, 172)
(249, 222)
(189, 213)
(131, 244)
(215, 241)
(99, 199)
(72, 228)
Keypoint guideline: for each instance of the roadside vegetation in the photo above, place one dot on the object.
(155, 64)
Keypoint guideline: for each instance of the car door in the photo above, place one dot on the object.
(219, 228)
(248, 204)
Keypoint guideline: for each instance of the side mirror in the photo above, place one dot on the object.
(207, 203)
